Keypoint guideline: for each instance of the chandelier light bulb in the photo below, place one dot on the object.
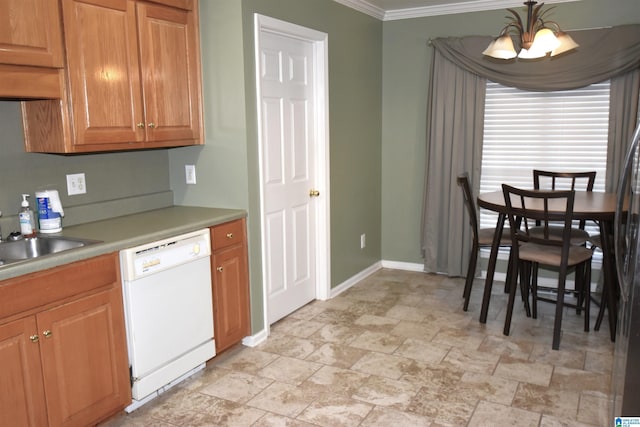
(536, 39)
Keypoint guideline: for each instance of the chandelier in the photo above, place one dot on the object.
(536, 39)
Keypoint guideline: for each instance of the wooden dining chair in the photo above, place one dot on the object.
(482, 237)
(578, 181)
(524, 209)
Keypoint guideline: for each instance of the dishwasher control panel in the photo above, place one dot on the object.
(158, 256)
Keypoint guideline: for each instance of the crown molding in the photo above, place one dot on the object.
(462, 6)
(364, 7)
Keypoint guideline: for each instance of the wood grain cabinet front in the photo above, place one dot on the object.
(231, 310)
(65, 363)
(133, 79)
(31, 52)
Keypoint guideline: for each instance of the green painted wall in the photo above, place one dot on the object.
(227, 166)
(406, 65)
(109, 176)
(355, 84)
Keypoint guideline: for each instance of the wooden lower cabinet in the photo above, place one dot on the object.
(66, 365)
(22, 401)
(231, 312)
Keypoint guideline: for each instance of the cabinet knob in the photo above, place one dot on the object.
(229, 235)
(314, 193)
(152, 125)
(34, 338)
(220, 269)
(140, 125)
(47, 333)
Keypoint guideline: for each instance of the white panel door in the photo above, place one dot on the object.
(288, 172)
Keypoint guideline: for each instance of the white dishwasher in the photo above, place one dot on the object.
(168, 311)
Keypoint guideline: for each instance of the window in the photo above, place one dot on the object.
(561, 130)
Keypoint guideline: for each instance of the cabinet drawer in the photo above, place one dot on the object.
(24, 293)
(227, 234)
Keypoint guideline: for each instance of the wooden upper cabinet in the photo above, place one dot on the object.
(31, 52)
(30, 33)
(103, 70)
(170, 64)
(180, 4)
(133, 79)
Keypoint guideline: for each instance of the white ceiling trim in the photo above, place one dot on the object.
(443, 9)
(364, 7)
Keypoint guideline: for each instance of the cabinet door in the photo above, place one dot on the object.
(30, 33)
(230, 296)
(103, 67)
(22, 401)
(170, 62)
(84, 359)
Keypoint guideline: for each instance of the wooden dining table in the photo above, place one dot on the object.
(588, 205)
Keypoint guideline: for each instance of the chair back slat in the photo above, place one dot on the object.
(538, 208)
(579, 181)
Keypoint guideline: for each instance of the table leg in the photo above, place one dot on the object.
(491, 268)
(610, 278)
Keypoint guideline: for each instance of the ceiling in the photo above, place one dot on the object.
(387, 10)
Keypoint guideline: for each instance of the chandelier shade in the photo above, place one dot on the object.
(536, 39)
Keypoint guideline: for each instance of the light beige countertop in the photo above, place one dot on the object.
(124, 232)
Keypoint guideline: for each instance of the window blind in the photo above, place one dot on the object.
(558, 131)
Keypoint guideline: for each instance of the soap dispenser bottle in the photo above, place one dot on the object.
(27, 219)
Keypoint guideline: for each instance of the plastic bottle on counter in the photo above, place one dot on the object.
(49, 211)
(27, 219)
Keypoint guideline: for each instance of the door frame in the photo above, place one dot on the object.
(319, 40)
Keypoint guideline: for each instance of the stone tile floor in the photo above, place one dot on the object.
(397, 350)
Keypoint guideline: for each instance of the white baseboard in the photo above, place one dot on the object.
(255, 339)
(355, 279)
(407, 266)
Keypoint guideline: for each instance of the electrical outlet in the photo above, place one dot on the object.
(76, 184)
(363, 241)
(190, 173)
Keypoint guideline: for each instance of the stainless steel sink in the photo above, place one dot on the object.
(35, 247)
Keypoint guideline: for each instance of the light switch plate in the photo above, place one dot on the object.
(76, 184)
(190, 174)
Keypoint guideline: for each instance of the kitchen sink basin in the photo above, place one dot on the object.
(35, 247)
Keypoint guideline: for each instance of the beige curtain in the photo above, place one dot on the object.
(456, 112)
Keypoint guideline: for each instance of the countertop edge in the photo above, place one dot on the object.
(125, 232)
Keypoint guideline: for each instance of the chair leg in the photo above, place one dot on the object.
(509, 272)
(513, 285)
(534, 285)
(587, 295)
(557, 325)
(471, 273)
(580, 282)
(534, 290)
(603, 304)
(525, 278)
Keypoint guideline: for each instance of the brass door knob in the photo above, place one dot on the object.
(140, 125)
(34, 338)
(314, 193)
(152, 125)
(229, 235)
(220, 269)
(47, 333)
